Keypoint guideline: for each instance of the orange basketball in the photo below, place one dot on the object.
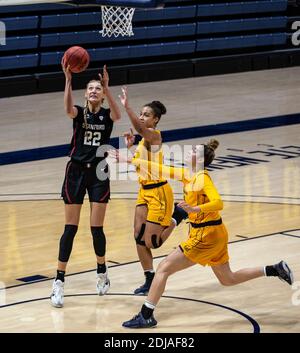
(78, 59)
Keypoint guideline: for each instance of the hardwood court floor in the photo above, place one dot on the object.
(31, 230)
(193, 302)
(210, 307)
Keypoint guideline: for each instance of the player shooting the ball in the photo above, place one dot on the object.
(92, 127)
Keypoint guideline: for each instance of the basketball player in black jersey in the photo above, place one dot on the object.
(92, 127)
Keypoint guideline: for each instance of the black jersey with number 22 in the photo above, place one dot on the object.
(89, 134)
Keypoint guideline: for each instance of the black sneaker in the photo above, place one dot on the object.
(144, 289)
(285, 274)
(138, 321)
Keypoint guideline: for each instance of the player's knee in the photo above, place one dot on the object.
(163, 269)
(138, 235)
(139, 230)
(161, 266)
(99, 241)
(226, 281)
(154, 242)
(66, 242)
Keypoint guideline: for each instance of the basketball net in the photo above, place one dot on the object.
(117, 21)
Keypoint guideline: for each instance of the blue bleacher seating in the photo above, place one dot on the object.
(17, 43)
(20, 23)
(240, 25)
(176, 12)
(38, 35)
(124, 52)
(245, 7)
(18, 61)
(241, 41)
(94, 18)
(70, 20)
(86, 37)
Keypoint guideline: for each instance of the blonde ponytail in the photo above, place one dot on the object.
(209, 151)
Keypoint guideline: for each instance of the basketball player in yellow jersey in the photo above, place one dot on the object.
(208, 237)
(153, 214)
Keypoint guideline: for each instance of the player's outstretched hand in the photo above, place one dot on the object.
(119, 157)
(185, 206)
(124, 97)
(129, 138)
(104, 79)
(66, 70)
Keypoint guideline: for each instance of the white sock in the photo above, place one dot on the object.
(152, 271)
(175, 222)
(264, 269)
(149, 305)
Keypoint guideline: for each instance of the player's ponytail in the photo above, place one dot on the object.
(209, 151)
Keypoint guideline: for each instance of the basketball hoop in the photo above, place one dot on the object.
(116, 14)
(117, 21)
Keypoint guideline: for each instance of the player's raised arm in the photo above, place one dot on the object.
(115, 113)
(147, 133)
(161, 170)
(70, 109)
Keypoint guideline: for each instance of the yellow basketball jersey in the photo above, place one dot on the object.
(200, 191)
(154, 155)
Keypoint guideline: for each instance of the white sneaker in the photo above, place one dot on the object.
(57, 295)
(103, 283)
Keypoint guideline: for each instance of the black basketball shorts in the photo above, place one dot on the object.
(80, 178)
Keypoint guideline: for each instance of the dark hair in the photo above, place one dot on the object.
(209, 151)
(158, 108)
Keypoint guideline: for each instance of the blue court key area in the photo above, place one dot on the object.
(31, 278)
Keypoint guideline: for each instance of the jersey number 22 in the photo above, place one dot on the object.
(92, 138)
